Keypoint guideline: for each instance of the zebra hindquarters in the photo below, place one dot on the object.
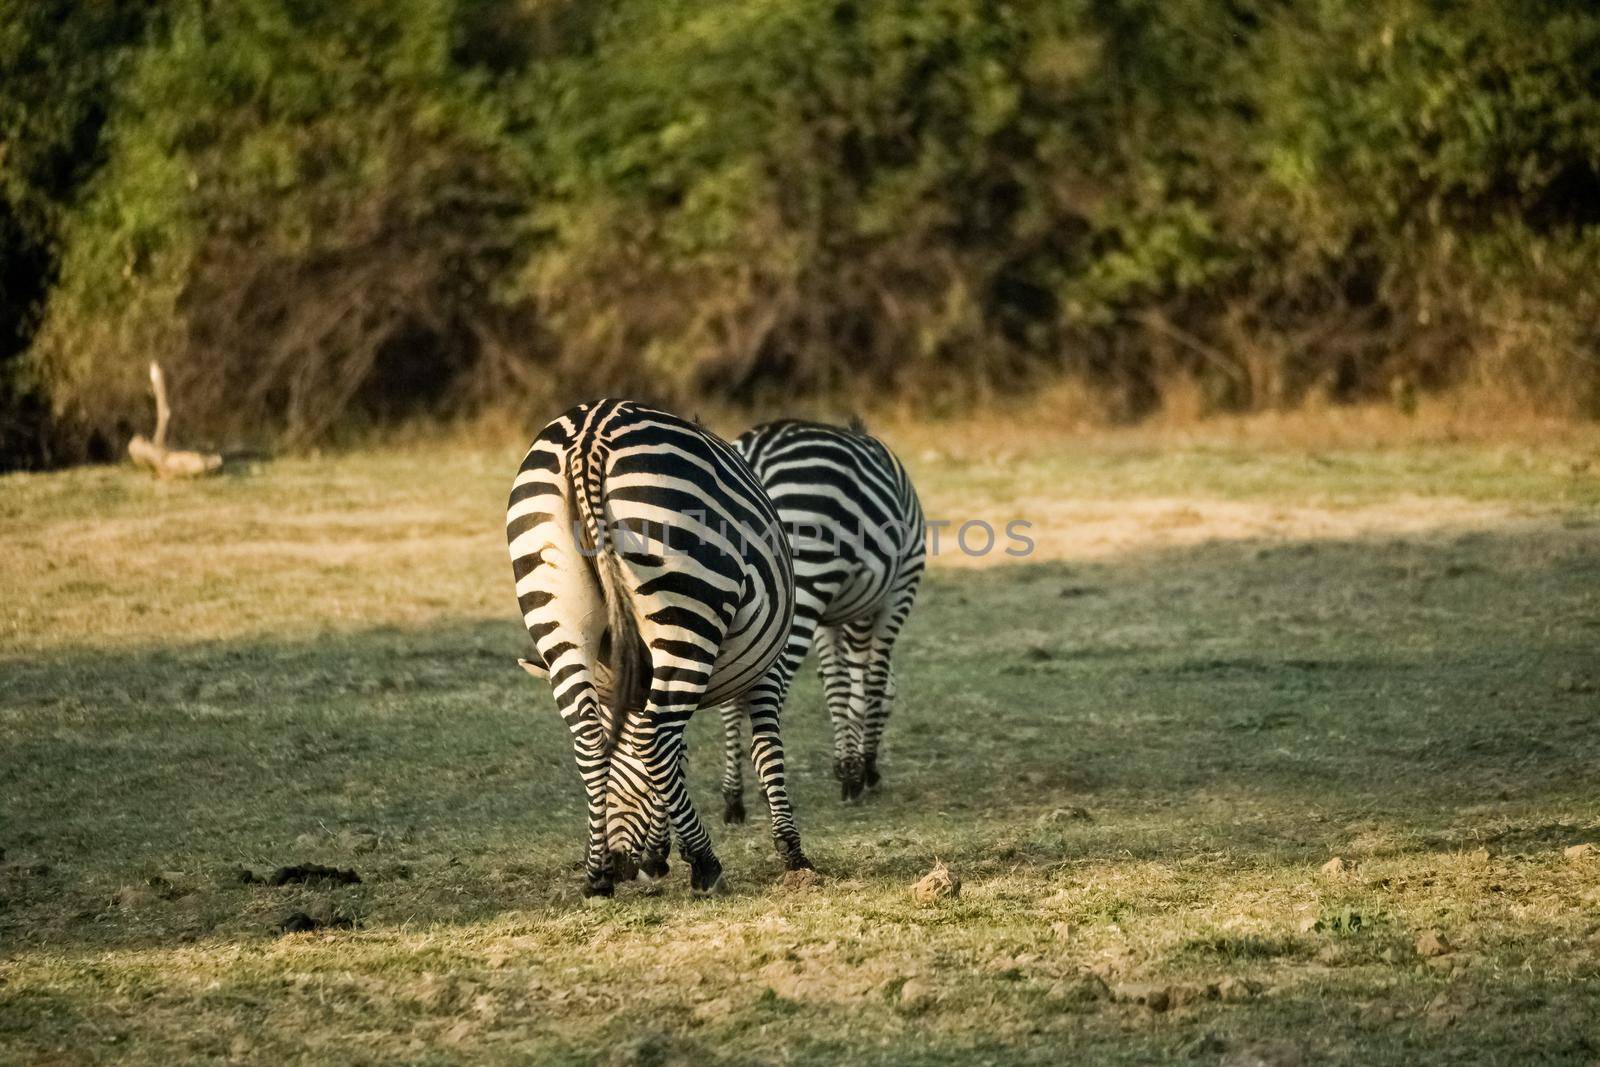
(564, 611)
(682, 591)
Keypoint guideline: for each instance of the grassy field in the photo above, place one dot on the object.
(1227, 664)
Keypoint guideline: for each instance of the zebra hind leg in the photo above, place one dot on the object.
(732, 764)
(766, 749)
(837, 657)
(877, 716)
(665, 756)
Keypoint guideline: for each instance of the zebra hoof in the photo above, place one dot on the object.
(601, 888)
(705, 876)
(872, 777)
(653, 868)
(795, 860)
(732, 809)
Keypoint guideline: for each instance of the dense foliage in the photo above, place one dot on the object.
(319, 215)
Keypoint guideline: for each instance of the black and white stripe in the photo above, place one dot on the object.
(653, 578)
(855, 528)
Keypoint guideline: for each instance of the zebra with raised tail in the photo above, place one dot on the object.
(653, 578)
(855, 529)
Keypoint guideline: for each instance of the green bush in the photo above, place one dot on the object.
(304, 209)
(316, 215)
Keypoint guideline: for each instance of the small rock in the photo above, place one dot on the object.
(1432, 943)
(938, 884)
(1334, 867)
(1578, 852)
(1234, 990)
(1153, 996)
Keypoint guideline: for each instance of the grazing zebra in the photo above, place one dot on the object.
(855, 528)
(653, 578)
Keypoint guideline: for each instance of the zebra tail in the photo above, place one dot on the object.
(630, 669)
(629, 661)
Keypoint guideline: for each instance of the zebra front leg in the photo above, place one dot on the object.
(732, 764)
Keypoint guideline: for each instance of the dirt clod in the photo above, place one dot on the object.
(130, 897)
(1151, 995)
(313, 874)
(938, 884)
(299, 922)
(167, 885)
(1233, 990)
(804, 878)
(1179, 996)
(1578, 852)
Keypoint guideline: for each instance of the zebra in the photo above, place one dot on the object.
(653, 578)
(855, 528)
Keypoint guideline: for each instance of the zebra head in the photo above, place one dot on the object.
(633, 806)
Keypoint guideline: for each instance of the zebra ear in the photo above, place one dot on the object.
(538, 670)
